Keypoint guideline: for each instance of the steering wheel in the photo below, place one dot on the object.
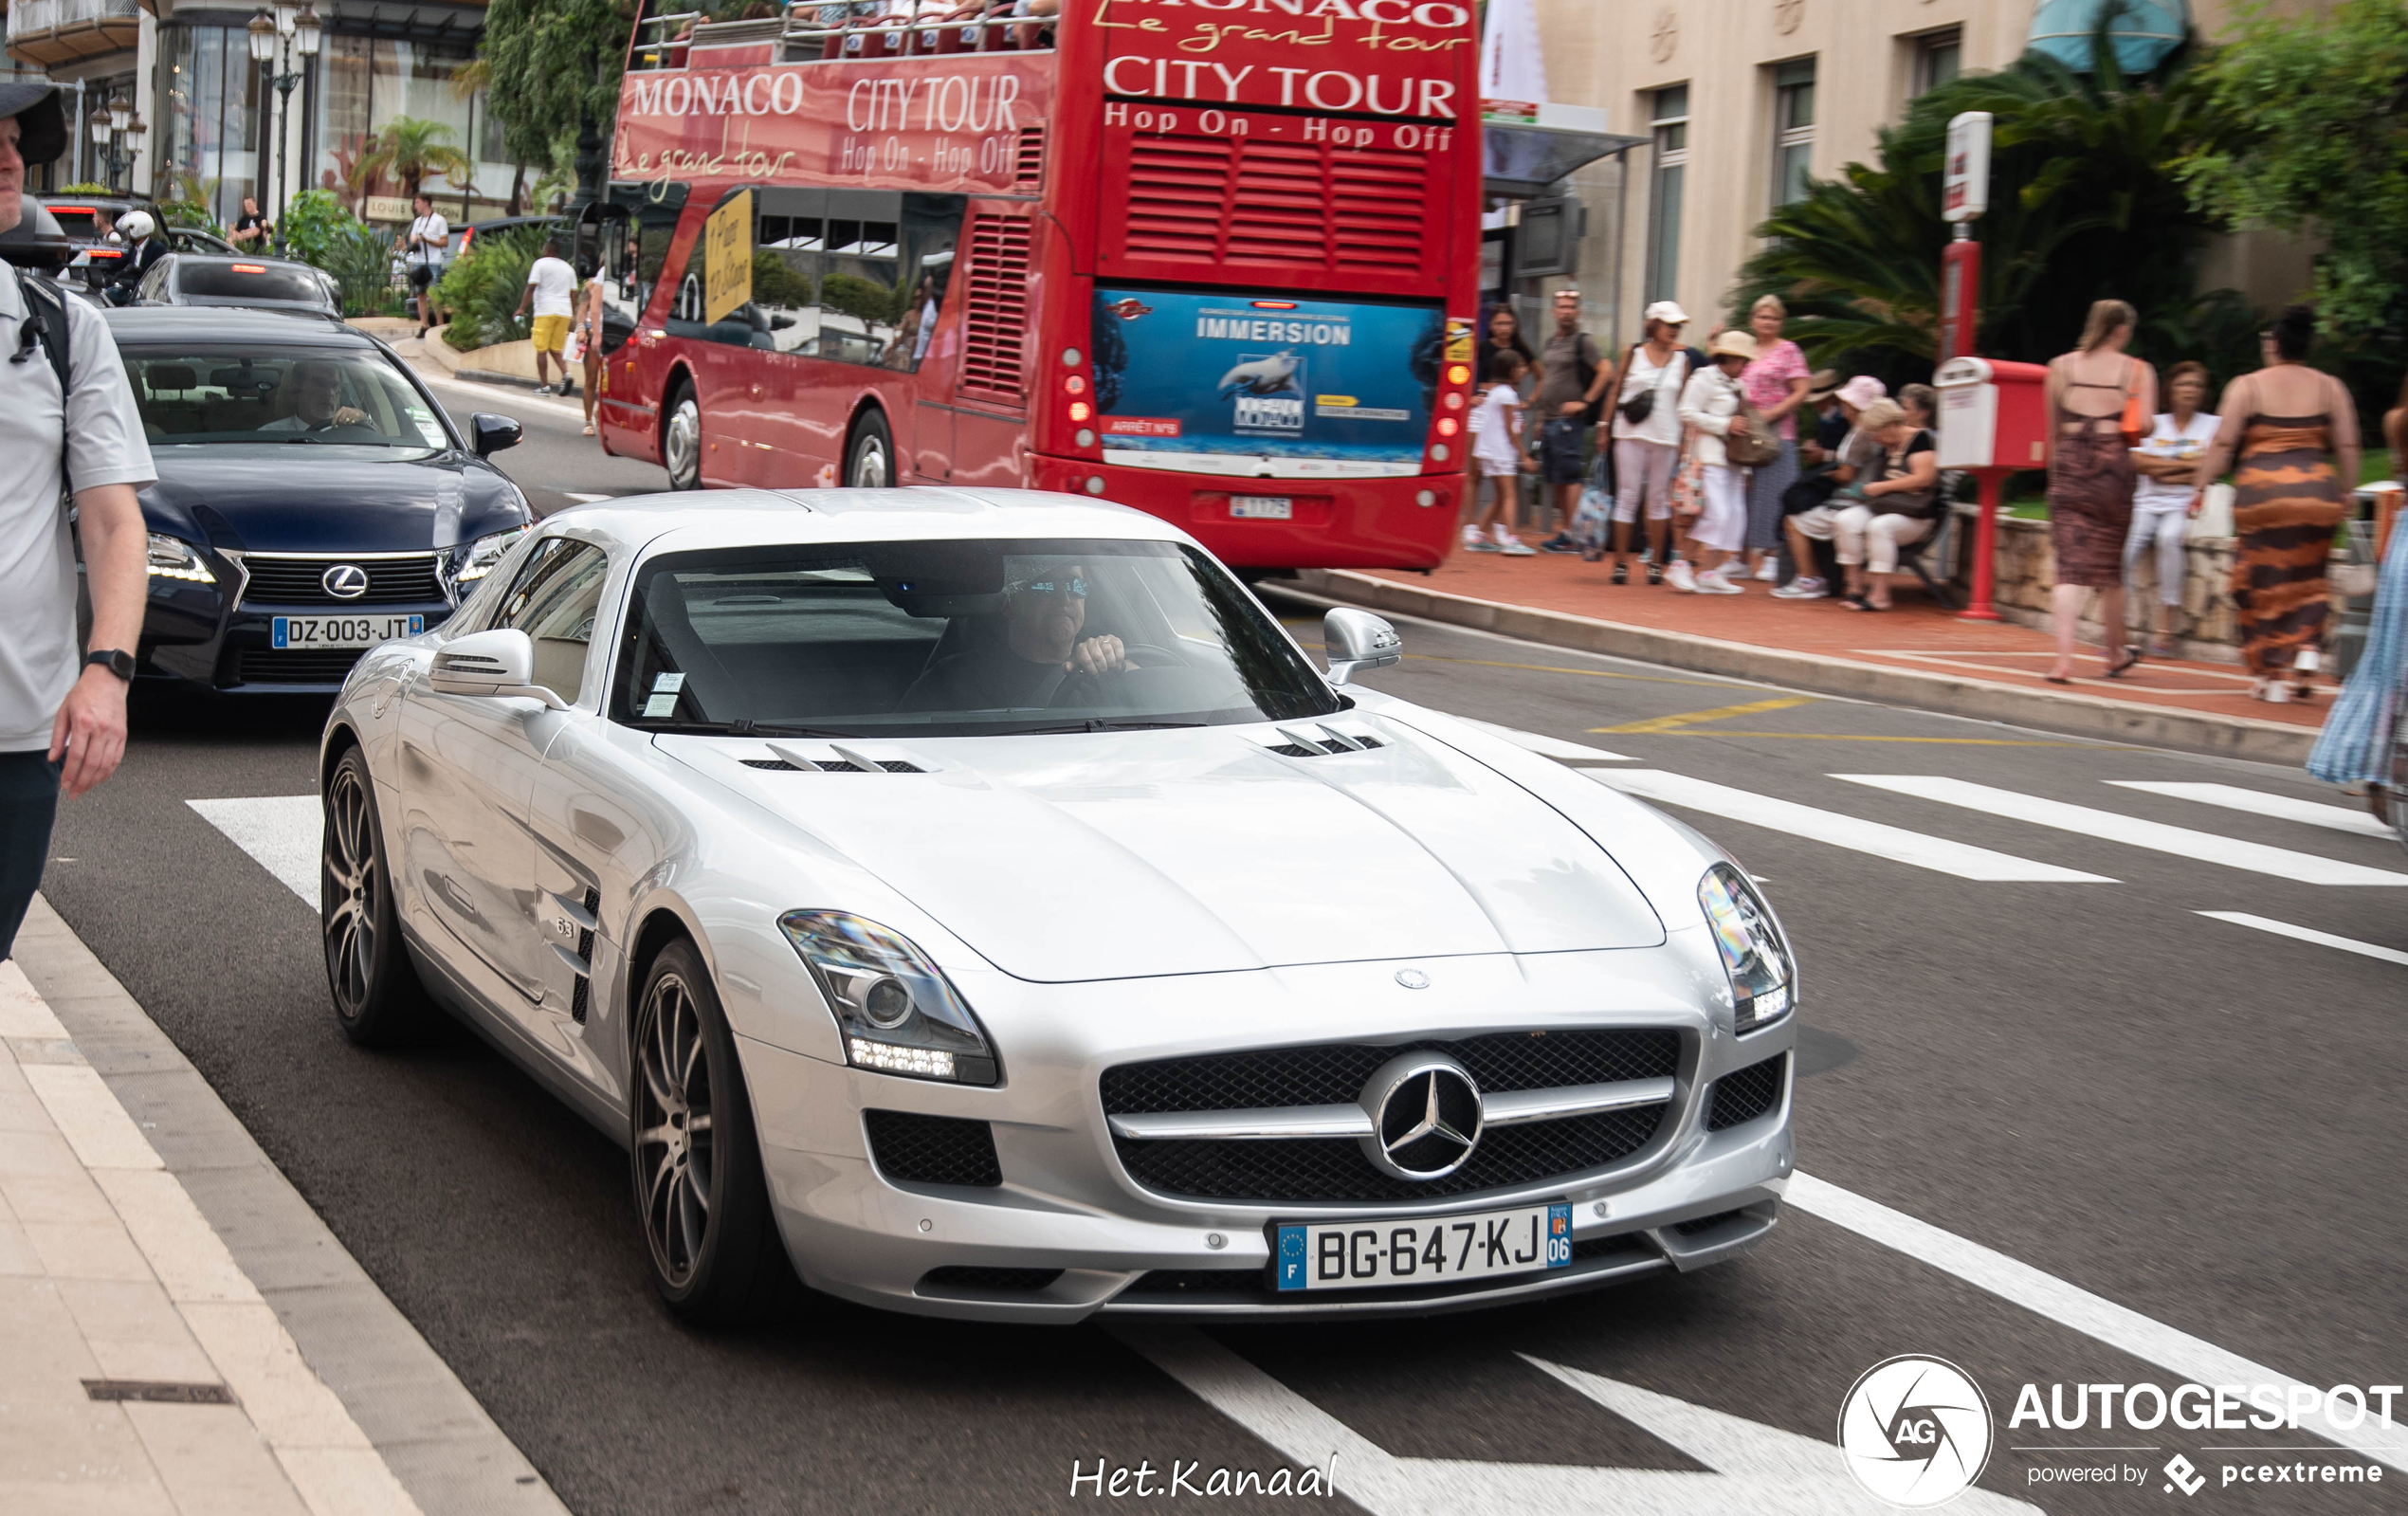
(1082, 688)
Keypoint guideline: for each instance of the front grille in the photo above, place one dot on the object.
(1171, 1286)
(296, 581)
(958, 1276)
(1175, 1284)
(1334, 1169)
(918, 1149)
(1334, 1074)
(308, 665)
(1739, 1098)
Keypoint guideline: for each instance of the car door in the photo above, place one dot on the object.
(468, 764)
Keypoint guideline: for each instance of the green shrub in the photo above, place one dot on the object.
(361, 259)
(483, 289)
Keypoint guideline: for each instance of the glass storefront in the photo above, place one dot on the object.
(211, 119)
(367, 82)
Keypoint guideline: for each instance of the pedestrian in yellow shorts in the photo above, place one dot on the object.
(551, 284)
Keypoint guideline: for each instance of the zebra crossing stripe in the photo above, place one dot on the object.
(2281, 807)
(2308, 934)
(1545, 747)
(2090, 822)
(1882, 841)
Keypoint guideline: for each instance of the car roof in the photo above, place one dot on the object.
(762, 518)
(296, 326)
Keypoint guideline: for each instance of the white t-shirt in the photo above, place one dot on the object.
(2166, 439)
(39, 659)
(1492, 428)
(1663, 423)
(434, 227)
(554, 281)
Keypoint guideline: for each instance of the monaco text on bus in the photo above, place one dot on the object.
(1212, 259)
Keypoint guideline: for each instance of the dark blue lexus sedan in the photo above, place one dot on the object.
(313, 498)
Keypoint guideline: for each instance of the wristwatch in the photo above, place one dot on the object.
(116, 660)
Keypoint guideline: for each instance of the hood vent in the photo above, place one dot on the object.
(1319, 741)
(832, 766)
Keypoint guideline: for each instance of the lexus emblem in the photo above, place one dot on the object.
(345, 581)
(1425, 1116)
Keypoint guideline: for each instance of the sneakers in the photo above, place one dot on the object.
(1480, 544)
(1679, 576)
(1769, 571)
(1621, 574)
(1515, 548)
(1717, 581)
(546, 389)
(1560, 543)
(1804, 587)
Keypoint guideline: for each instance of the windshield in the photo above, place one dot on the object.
(201, 280)
(278, 396)
(952, 638)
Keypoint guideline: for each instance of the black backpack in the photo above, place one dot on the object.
(47, 324)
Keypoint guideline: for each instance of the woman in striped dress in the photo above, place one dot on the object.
(2290, 433)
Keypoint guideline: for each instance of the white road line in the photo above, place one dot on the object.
(2281, 807)
(500, 392)
(2180, 841)
(1554, 747)
(2127, 1331)
(583, 498)
(279, 831)
(1894, 842)
(2308, 934)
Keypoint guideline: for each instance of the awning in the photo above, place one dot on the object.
(1526, 159)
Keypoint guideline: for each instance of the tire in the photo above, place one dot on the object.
(681, 438)
(717, 1258)
(379, 999)
(870, 459)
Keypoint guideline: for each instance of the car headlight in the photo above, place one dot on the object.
(478, 558)
(894, 1007)
(174, 558)
(1762, 978)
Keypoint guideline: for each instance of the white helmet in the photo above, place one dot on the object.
(137, 224)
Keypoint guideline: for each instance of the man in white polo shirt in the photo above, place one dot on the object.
(62, 712)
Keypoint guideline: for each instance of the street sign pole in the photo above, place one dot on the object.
(1964, 194)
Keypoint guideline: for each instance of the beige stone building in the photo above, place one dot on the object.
(1739, 101)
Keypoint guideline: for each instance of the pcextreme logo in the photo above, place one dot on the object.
(1916, 1431)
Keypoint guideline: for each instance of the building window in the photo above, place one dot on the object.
(1939, 57)
(1793, 129)
(1671, 121)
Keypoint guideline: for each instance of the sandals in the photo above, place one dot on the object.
(1654, 573)
(1621, 574)
(2164, 647)
(2131, 656)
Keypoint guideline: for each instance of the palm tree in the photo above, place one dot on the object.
(410, 150)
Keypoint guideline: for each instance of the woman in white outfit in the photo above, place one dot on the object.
(1709, 402)
(1648, 446)
(2167, 494)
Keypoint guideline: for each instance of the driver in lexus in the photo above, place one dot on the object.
(1039, 648)
(317, 394)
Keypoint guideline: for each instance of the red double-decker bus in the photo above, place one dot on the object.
(1213, 258)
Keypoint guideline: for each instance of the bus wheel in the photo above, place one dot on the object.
(681, 438)
(869, 464)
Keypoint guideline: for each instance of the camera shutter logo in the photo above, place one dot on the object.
(345, 581)
(1916, 1429)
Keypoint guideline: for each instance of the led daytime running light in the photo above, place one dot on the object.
(170, 558)
(1751, 946)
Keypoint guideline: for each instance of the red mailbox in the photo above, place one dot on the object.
(1994, 420)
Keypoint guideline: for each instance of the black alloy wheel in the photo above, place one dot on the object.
(869, 461)
(717, 1256)
(379, 999)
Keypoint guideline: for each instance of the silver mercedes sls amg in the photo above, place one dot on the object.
(974, 903)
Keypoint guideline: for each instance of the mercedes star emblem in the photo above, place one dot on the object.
(1412, 978)
(345, 581)
(1424, 1113)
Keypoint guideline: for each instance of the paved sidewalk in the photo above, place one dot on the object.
(148, 1368)
(1917, 653)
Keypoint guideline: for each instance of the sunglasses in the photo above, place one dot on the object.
(1076, 589)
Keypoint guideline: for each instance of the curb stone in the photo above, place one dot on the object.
(2117, 721)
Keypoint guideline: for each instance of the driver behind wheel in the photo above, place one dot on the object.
(1025, 655)
(317, 394)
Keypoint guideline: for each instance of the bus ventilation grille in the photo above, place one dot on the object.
(997, 319)
(1029, 169)
(1334, 209)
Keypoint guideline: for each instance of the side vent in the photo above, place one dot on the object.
(580, 995)
(995, 321)
(1027, 170)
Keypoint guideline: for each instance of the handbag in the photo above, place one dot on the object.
(1639, 406)
(1593, 520)
(2135, 424)
(1688, 486)
(1751, 443)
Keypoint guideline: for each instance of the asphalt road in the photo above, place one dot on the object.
(2195, 1120)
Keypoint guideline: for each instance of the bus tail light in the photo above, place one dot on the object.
(1080, 411)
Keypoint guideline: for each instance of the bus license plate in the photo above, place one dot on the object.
(1262, 507)
(341, 631)
(1435, 1250)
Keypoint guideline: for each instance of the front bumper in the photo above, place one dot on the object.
(215, 636)
(1068, 1234)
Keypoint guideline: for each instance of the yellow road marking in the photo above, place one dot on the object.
(1956, 742)
(1666, 723)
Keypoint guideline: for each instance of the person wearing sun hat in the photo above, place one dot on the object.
(61, 710)
(1710, 403)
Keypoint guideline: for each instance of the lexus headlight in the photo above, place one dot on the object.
(1762, 978)
(172, 558)
(896, 1011)
(480, 556)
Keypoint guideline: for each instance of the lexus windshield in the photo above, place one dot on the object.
(952, 638)
(272, 396)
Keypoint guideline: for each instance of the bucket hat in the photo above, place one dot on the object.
(41, 122)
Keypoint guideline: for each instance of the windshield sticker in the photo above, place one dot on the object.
(659, 705)
(667, 684)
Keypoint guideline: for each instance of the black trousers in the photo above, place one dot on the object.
(28, 803)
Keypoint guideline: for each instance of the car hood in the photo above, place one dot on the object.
(264, 500)
(1120, 855)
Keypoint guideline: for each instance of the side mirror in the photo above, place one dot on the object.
(488, 433)
(501, 662)
(1356, 640)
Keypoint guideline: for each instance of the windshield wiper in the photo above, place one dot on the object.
(743, 728)
(1098, 723)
